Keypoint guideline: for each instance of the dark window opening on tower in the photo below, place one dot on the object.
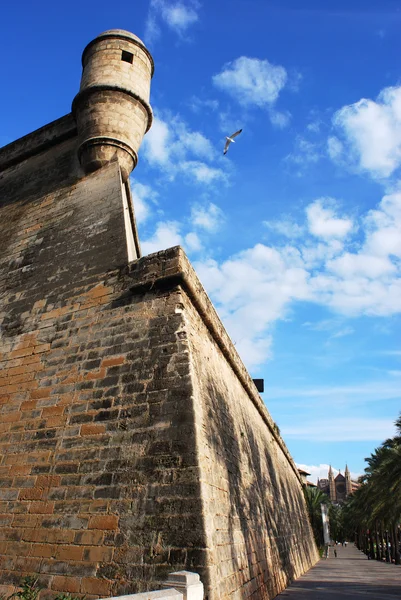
(127, 56)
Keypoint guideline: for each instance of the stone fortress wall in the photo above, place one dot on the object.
(132, 440)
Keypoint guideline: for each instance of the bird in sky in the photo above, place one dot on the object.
(230, 139)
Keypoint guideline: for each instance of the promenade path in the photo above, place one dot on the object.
(349, 576)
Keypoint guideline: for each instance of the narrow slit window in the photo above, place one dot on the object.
(127, 56)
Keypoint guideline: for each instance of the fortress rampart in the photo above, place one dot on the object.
(132, 439)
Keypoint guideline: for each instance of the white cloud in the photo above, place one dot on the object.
(368, 280)
(349, 266)
(256, 350)
(192, 242)
(334, 326)
(280, 119)
(191, 141)
(305, 152)
(285, 227)
(201, 172)
(314, 254)
(254, 82)
(256, 287)
(152, 29)
(322, 471)
(167, 234)
(383, 226)
(334, 147)
(177, 15)
(323, 325)
(172, 233)
(156, 141)
(251, 290)
(174, 148)
(141, 196)
(208, 217)
(343, 332)
(372, 133)
(314, 126)
(323, 223)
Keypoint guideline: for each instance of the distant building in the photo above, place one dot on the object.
(338, 488)
(304, 475)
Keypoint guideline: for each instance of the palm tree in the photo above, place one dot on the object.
(374, 511)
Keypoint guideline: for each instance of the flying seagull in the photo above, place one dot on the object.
(230, 139)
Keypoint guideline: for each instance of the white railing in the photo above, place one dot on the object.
(182, 585)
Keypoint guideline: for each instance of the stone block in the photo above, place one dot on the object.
(189, 584)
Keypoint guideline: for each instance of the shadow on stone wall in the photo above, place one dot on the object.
(261, 518)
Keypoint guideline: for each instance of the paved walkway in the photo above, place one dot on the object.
(349, 576)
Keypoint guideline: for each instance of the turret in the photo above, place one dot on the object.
(112, 108)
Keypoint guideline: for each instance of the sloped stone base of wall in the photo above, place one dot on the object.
(133, 443)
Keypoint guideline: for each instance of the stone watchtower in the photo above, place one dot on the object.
(133, 441)
(112, 107)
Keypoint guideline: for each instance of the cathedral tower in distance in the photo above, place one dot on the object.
(338, 488)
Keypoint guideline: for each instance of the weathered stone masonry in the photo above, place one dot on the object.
(132, 439)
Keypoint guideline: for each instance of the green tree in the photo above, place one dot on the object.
(336, 522)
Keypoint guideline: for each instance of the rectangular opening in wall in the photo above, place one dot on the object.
(127, 56)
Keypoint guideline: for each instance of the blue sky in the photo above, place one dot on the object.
(296, 233)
